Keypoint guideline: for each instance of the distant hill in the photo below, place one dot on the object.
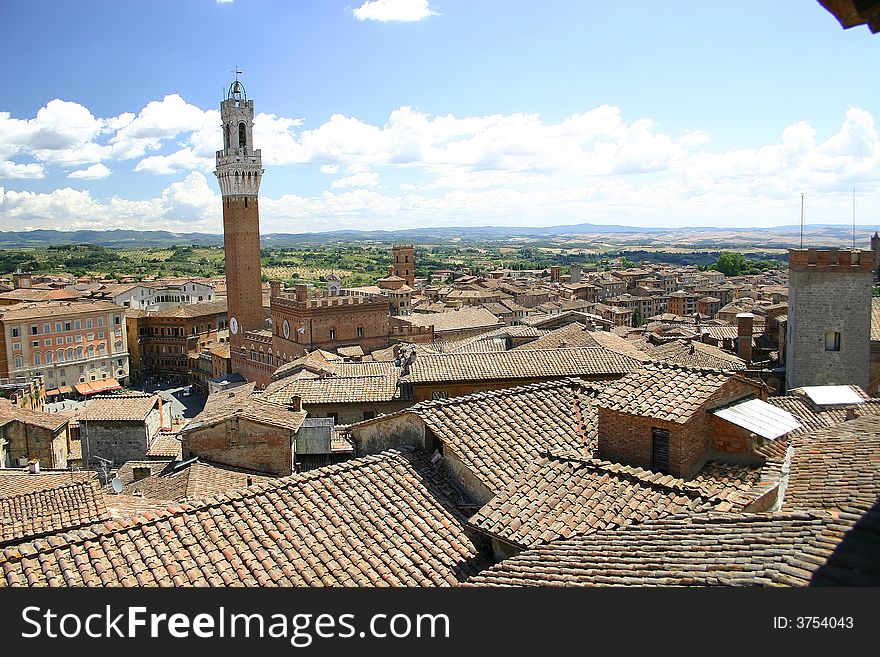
(780, 236)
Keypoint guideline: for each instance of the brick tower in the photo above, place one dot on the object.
(403, 261)
(239, 170)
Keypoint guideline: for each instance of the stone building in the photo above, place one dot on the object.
(120, 428)
(828, 333)
(27, 435)
(239, 171)
(238, 429)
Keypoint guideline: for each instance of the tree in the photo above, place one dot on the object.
(730, 263)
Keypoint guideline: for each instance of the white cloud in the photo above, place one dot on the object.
(394, 10)
(362, 179)
(93, 172)
(15, 170)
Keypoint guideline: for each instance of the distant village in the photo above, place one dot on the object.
(656, 425)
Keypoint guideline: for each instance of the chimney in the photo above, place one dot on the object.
(141, 472)
(275, 288)
(302, 292)
(744, 332)
(21, 280)
(295, 404)
(34, 466)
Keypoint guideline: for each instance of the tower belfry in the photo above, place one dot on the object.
(239, 171)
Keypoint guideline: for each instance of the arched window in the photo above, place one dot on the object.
(60, 355)
(102, 349)
(117, 347)
(37, 360)
(79, 353)
(228, 135)
(69, 353)
(48, 357)
(91, 351)
(242, 135)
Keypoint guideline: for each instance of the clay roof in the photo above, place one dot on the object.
(132, 407)
(388, 519)
(336, 389)
(200, 309)
(165, 445)
(662, 391)
(710, 549)
(697, 354)
(244, 403)
(192, 480)
(18, 481)
(836, 466)
(498, 434)
(812, 417)
(562, 496)
(454, 320)
(521, 364)
(10, 412)
(37, 294)
(26, 311)
(577, 335)
(49, 510)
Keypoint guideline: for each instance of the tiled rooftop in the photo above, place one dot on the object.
(498, 434)
(663, 391)
(51, 510)
(521, 364)
(118, 408)
(380, 520)
(780, 549)
(181, 481)
(836, 466)
(14, 481)
(696, 354)
(244, 403)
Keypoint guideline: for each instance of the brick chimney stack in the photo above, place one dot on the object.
(745, 323)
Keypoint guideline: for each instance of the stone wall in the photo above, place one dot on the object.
(117, 441)
(243, 444)
(388, 433)
(829, 290)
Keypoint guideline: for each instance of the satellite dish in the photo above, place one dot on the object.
(116, 484)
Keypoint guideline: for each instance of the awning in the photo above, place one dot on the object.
(60, 391)
(92, 387)
(759, 417)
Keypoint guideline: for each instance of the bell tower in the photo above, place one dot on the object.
(239, 170)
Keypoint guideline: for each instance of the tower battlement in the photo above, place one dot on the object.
(830, 260)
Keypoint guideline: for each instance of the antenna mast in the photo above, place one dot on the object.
(854, 217)
(802, 221)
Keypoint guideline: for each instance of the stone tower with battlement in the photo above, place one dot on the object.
(828, 337)
(239, 171)
(403, 263)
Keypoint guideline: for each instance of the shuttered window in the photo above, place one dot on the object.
(660, 450)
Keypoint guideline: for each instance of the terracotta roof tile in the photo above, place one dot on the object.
(118, 408)
(378, 520)
(710, 549)
(51, 510)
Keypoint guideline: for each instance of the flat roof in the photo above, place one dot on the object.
(759, 417)
(832, 395)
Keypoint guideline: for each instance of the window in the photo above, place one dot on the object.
(16, 345)
(37, 359)
(47, 328)
(34, 329)
(78, 325)
(48, 357)
(47, 343)
(88, 322)
(832, 341)
(369, 415)
(360, 331)
(116, 319)
(35, 343)
(660, 450)
(18, 362)
(101, 319)
(332, 334)
(58, 327)
(15, 333)
(67, 326)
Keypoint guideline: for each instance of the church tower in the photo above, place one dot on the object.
(239, 170)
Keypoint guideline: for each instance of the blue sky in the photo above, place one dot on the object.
(387, 113)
